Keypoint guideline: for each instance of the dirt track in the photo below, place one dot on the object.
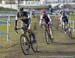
(61, 50)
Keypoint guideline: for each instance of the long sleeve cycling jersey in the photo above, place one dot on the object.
(23, 16)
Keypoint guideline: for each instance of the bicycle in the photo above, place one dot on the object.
(48, 38)
(27, 41)
(67, 30)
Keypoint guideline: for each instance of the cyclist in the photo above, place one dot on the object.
(23, 16)
(63, 17)
(45, 19)
(60, 19)
(65, 20)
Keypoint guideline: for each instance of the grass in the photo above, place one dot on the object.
(72, 16)
(11, 49)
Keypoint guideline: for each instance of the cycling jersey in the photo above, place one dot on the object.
(23, 14)
(45, 19)
(20, 14)
(26, 21)
(65, 19)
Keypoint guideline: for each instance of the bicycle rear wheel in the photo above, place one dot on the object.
(69, 33)
(33, 42)
(48, 38)
(24, 44)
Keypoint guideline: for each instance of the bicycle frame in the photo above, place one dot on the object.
(26, 32)
(28, 39)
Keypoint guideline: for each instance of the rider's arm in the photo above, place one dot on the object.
(30, 22)
(50, 20)
(40, 20)
(16, 20)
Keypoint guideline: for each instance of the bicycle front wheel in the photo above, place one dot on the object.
(24, 44)
(33, 42)
(48, 38)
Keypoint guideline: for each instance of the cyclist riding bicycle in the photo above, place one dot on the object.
(45, 19)
(23, 16)
(65, 19)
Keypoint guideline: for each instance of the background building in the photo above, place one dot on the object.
(33, 3)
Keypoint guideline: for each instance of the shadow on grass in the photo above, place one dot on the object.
(60, 43)
(47, 52)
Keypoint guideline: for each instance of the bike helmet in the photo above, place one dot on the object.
(43, 11)
(21, 9)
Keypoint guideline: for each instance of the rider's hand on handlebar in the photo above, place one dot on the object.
(51, 23)
(16, 29)
(29, 28)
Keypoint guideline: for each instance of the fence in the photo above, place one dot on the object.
(7, 22)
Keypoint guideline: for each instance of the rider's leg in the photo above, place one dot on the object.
(63, 25)
(60, 22)
(25, 40)
(34, 38)
(50, 29)
(33, 35)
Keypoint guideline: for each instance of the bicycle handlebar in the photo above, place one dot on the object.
(18, 29)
